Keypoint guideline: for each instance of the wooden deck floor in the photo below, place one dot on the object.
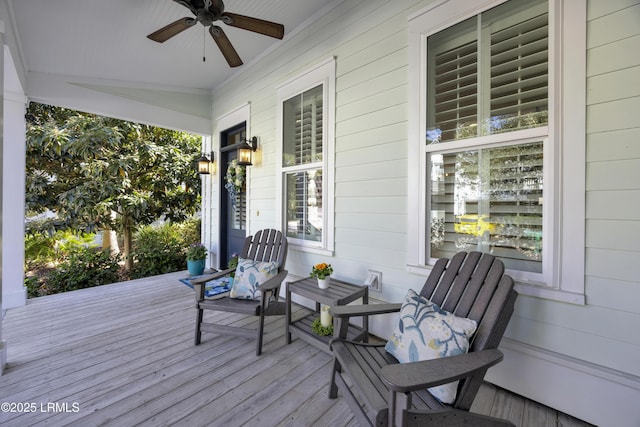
(123, 355)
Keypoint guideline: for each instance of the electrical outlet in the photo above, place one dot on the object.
(374, 280)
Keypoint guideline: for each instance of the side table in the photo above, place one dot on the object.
(338, 293)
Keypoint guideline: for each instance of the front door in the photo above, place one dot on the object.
(233, 196)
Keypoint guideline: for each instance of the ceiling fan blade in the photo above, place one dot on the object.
(268, 28)
(166, 32)
(227, 49)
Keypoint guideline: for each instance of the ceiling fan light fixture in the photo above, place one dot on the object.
(207, 13)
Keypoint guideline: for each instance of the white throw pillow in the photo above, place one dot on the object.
(425, 332)
(249, 276)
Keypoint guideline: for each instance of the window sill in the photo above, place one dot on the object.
(537, 291)
(311, 250)
(550, 293)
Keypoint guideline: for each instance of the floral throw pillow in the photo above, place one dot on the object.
(425, 332)
(249, 276)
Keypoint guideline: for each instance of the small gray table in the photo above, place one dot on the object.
(338, 293)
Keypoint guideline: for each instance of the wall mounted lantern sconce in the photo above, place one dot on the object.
(205, 164)
(245, 151)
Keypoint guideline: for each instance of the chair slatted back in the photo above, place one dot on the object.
(266, 245)
(473, 285)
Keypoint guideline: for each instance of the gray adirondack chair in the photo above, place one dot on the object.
(380, 391)
(266, 245)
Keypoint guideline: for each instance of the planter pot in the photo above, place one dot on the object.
(323, 283)
(195, 268)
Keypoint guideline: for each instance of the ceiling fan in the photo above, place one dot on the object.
(208, 11)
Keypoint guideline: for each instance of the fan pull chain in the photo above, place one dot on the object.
(204, 42)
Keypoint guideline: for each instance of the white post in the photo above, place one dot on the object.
(3, 343)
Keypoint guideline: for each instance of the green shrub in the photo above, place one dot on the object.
(161, 249)
(32, 283)
(66, 261)
(41, 250)
(190, 231)
(68, 241)
(84, 268)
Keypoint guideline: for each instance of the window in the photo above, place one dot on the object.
(302, 165)
(489, 73)
(492, 135)
(489, 197)
(306, 131)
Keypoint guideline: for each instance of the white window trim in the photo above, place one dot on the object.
(323, 73)
(567, 112)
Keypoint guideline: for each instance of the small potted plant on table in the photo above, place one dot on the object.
(196, 256)
(323, 272)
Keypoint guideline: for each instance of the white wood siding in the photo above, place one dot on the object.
(370, 42)
(602, 335)
(613, 184)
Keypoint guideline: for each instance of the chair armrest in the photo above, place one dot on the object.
(345, 311)
(198, 284)
(406, 377)
(212, 276)
(273, 282)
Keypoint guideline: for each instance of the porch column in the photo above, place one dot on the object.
(3, 343)
(12, 191)
(14, 293)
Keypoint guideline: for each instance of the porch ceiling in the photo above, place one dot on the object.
(94, 56)
(106, 40)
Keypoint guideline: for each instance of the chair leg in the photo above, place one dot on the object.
(333, 387)
(260, 334)
(399, 403)
(199, 317)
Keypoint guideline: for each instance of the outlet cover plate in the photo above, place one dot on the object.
(374, 280)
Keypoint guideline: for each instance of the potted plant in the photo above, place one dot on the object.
(196, 256)
(323, 272)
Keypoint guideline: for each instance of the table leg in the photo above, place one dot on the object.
(365, 319)
(288, 313)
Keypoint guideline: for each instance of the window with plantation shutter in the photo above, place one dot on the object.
(306, 119)
(489, 199)
(302, 163)
(302, 126)
(488, 75)
(497, 128)
(519, 72)
(453, 78)
(239, 211)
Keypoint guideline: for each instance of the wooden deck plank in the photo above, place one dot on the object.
(124, 354)
(314, 408)
(538, 415)
(485, 399)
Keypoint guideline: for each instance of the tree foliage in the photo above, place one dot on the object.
(85, 168)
